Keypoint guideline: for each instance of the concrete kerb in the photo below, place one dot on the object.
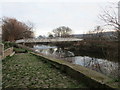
(80, 73)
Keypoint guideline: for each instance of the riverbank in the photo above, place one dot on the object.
(84, 74)
(104, 49)
(28, 71)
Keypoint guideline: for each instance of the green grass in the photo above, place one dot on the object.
(28, 71)
(19, 50)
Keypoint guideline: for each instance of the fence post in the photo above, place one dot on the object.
(1, 50)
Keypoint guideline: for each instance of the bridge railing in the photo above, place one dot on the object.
(48, 40)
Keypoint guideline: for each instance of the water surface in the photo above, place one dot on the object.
(103, 66)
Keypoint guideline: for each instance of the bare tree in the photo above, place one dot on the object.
(50, 36)
(111, 18)
(62, 31)
(96, 34)
(12, 29)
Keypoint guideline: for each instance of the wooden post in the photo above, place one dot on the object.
(1, 51)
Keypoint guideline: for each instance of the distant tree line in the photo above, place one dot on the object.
(110, 18)
(12, 29)
(100, 34)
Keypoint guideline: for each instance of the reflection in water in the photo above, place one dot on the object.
(53, 51)
(100, 65)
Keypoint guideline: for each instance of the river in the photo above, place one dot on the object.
(98, 64)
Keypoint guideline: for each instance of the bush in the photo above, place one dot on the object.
(9, 44)
(6, 45)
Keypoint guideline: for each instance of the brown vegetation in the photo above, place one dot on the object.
(12, 29)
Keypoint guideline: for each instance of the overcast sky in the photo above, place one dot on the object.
(47, 15)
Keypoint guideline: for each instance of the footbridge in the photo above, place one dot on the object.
(42, 40)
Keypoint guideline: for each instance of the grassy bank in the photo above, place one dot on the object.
(28, 71)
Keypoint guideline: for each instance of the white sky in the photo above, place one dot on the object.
(46, 15)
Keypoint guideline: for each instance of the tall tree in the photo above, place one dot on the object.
(62, 31)
(111, 18)
(12, 29)
(96, 34)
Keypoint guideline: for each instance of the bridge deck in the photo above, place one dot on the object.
(48, 40)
